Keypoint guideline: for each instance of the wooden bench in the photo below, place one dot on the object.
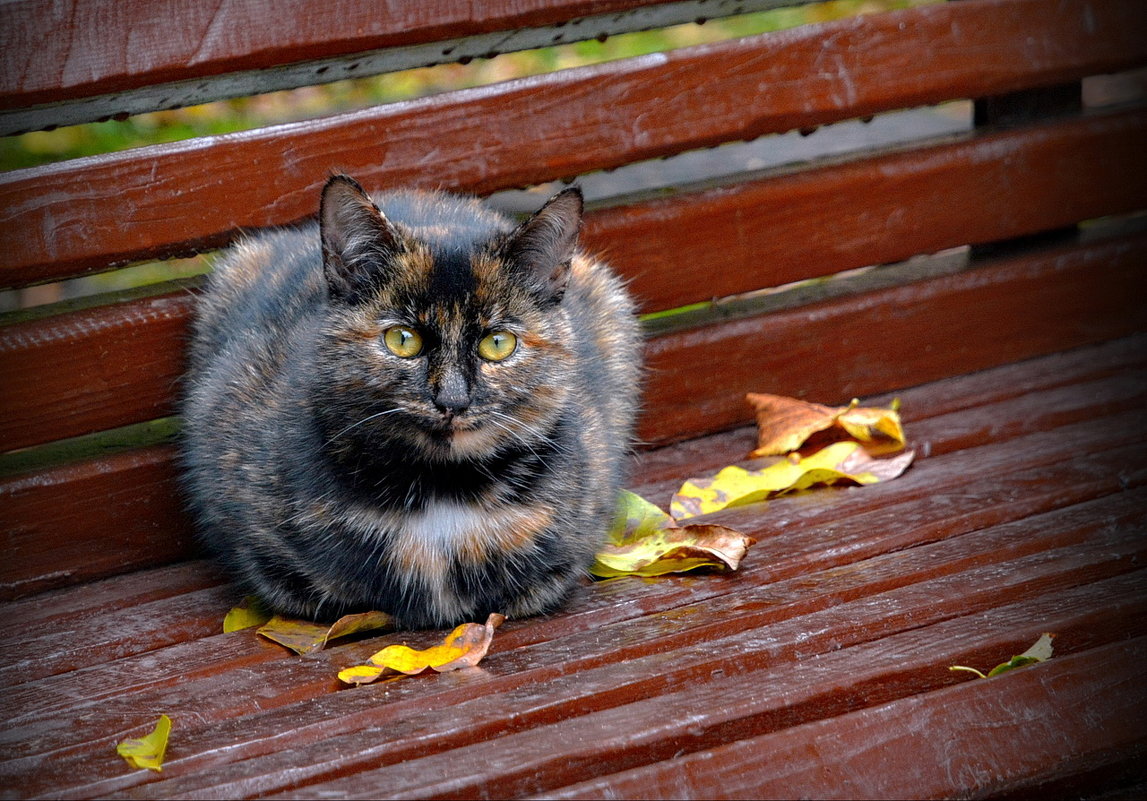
(1008, 315)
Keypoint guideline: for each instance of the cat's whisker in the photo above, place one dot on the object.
(366, 419)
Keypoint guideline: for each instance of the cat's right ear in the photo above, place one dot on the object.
(357, 238)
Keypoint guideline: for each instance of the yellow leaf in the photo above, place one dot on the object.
(673, 550)
(147, 751)
(841, 462)
(463, 647)
(303, 637)
(247, 614)
(786, 424)
(360, 674)
(645, 541)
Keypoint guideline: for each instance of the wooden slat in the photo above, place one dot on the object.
(66, 219)
(59, 51)
(87, 371)
(906, 335)
(1071, 715)
(132, 499)
(765, 233)
(80, 372)
(137, 56)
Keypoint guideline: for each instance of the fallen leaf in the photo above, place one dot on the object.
(247, 614)
(147, 751)
(303, 637)
(841, 462)
(785, 424)
(463, 647)
(645, 541)
(1039, 652)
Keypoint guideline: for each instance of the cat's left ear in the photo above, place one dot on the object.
(543, 247)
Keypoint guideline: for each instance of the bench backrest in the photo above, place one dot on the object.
(1034, 161)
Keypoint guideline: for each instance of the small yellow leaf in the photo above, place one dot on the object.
(147, 751)
(464, 647)
(247, 614)
(303, 637)
(360, 674)
(841, 462)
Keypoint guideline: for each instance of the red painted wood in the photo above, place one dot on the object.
(96, 518)
(686, 646)
(902, 336)
(72, 218)
(59, 51)
(113, 366)
(1069, 715)
(89, 370)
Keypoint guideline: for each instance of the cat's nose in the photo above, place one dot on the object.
(453, 395)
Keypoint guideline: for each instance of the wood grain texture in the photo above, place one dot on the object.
(1070, 715)
(91, 519)
(58, 51)
(87, 371)
(89, 214)
(902, 336)
(90, 370)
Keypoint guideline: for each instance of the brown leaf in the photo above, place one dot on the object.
(303, 637)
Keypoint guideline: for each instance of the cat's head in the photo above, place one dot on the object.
(446, 330)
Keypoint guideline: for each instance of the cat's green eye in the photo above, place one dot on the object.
(497, 345)
(403, 341)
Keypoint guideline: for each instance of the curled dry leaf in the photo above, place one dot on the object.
(644, 541)
(464, 647)
(303, 637)
(785, 424)
(841, 462)
(1039, 652)
(147, 751)
(247, 614)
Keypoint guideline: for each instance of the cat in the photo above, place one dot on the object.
(414, 405)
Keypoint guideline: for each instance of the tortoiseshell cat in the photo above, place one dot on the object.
(415, 406)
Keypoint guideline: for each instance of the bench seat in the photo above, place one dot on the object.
(819, 669)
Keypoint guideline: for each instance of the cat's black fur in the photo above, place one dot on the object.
(332, 475)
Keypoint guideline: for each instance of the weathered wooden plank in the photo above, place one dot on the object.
(1071, 714)
(907, 335)
(707, 714)
(90, 370)
(137, 57)
(657, 654)
(88, 214)
(92, 519)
